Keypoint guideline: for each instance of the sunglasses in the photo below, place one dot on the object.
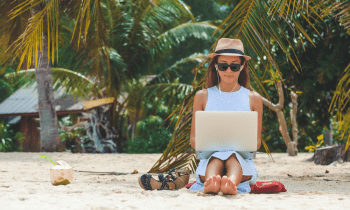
(233, 67)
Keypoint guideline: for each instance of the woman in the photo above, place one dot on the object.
(227, 90)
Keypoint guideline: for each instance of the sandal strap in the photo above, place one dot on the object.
(178, 171)
(171, 174)
(145, 180)
(164, 182)
(184, 171)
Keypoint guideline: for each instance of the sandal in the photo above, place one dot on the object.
(147, 182)
(181, 179)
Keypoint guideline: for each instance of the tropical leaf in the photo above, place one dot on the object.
(165, 14)
(340, 10)
(147, 93)
(91, 28)
(153, 17)
(162, 87)
(26, 47)
(320, 137)
(340, 102)
(178, 69)
(74, 83)
(179, 145)
(292, 7)
(171, 38)
(10, 30)
(256, 23)
(249, 22)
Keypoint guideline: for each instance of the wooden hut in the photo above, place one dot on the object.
(20, 110)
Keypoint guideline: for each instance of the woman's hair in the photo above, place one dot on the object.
(212, 75)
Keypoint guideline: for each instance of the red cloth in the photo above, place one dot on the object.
(189, 185)
(267, 187)
(260, 187)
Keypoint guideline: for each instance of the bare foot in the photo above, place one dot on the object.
(212, 185)
(228, 187)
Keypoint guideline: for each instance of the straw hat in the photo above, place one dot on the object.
(231, 47)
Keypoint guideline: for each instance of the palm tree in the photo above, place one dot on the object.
(112, 43)
(136, 44)
(23, 37)
(340, 100)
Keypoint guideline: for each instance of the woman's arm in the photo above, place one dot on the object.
(197, 106)
(258, 106)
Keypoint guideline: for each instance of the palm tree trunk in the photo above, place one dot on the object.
(49, 136)
(134, 126)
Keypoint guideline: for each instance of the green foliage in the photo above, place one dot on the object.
(74, 138)
(272, 135)
(338, 137)
(150, 138)
(321, 48)
(313, 146)
(7, 138)
(9, 87)
(321, 65)
(203, 10)
(208, 10)
(5, 89)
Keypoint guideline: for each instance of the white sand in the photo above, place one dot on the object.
(25, 184)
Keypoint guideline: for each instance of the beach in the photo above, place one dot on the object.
(25, 184)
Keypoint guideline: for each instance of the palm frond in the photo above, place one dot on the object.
(116, 58)
(116, 73)
(340, 101)
(147, 93)
(86, 11)
(74, 83)
(165, 14)
(340, 10)
(10, 29)
(178, 69)
(249, 21)
(146, 21)
(290, 7)
(178, 34)
(153, 16)
(26, 46)
(179, 152)
(91, 28)
(344, 15)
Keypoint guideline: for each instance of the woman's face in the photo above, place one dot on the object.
(228, 76)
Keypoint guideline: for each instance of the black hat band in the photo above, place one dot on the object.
(230, 51)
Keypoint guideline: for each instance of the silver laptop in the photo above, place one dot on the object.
(225, 131)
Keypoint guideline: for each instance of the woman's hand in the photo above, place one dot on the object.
(257, 103)
(192, 141)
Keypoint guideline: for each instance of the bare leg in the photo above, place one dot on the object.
(233, 176)
(213, 175)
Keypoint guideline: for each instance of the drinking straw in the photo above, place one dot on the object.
(48, 159)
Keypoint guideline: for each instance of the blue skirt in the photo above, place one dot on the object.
(248, 169)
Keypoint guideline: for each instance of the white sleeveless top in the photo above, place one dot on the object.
(224, 101)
